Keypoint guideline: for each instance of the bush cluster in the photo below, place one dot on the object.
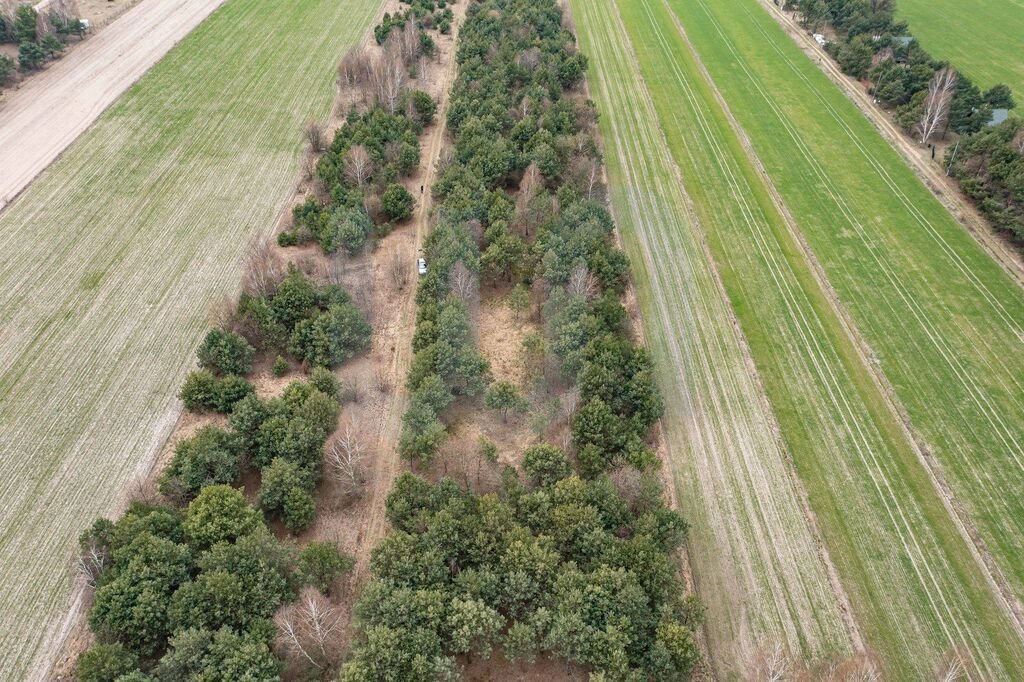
(188, 594)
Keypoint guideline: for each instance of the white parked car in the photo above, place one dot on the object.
(421, 266)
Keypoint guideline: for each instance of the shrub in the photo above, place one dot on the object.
(545, 465)
(52, 45)
(225, 352)
(280, 366)
(203, 392)
(105, 662)
(324, 381)
(6, 68)
(286, 239)
(505, 397)
(299, 510)
(320, 563)
(348, 228)
(331, 337)
(209, 457)
(425, 107)
(230, 390)
(31, 56)
(396, 202)
(219, 514)
(278, 480)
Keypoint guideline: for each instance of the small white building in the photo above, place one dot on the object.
(820, 39)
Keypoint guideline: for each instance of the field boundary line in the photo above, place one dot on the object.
(947, 192)
(954, 508)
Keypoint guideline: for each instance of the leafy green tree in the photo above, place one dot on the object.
(424, 106)
(397, 202)
(331, 337)
(105, 662)
(31, 56)
(219, 514)
(520, 643)
(280, 367)
(132, 606)
(222, 656)
(473, 626)
(422, 432)
(202, 391)
(25, 20)
(6, 68)
(348, 228)
(324, 381)
(505, 397)
(225, 352)
(505, 253)
(518, 300)
(413, 655)
(545, 465)
(211, 456)
(299, 510)
(278, 480)
(320, 564)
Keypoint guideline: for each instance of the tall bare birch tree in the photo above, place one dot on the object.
(935, 109)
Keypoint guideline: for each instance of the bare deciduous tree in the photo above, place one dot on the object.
(90, 562)
(462, 282)
(382, 377)
(388, 80)
(314, 134)
(935, 109)
(358, 165)
(398, 269)
(264, 270)
(582, 282)
(308, 164)
(344, 457)
(310, 629)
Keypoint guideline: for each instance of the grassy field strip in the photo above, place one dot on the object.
(755, 554)
(111, 259)
(944, 320)
(914, 585)
(985, 38)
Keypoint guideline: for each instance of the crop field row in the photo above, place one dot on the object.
(756, 561)
(916, 589)
(945, 322)
(105, 257)
(985, 38)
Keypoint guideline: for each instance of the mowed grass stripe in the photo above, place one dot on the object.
(944, 320)
(916, 589)
(754, 552)
(110, 262)
(983, 38)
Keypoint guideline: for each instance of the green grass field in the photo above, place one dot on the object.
(111, 261)
(917, 591)
(754, 552)
(945, 322)
(983, 38)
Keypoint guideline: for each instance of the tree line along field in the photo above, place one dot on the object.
(109, 258)
(982, 37)
(917, 591)
(755, 553)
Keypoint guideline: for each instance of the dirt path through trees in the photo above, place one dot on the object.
(39, 120)
(398, 337)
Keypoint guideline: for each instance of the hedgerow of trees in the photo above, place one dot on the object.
(195, 586)
(929, 98)
(575, 561)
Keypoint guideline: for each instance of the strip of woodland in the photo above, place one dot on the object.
(572, 555)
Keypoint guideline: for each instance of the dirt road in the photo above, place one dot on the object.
(39, 120)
